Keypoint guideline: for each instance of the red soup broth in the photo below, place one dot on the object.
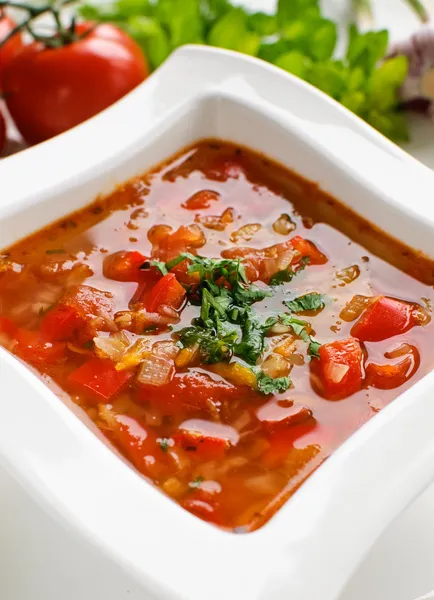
(229, 416)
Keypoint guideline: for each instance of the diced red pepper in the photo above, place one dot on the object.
(167, 292)
(201, 200)
(308, 249)
(337, 373)
(8, 327)
(124, 266)
(99, 380)
(34, 348)
(201, 446)
(383, 319)
(61, 322)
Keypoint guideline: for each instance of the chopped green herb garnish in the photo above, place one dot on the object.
(158, 265)
(88, 345)
(288, 274)
(307, 302)
(196, 482)
(299, 328)
(268, 385)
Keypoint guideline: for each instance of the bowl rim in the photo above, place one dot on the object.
(274, 564)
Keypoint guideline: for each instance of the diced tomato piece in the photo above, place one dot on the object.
(201, 200)
(338, 372)
(194, 392)
(390, 376)
(276, 414)
(167, 292)
(34, 348)
(308, 249)
(94, 307)
(167, 245)
(61, 323)
(202, 447)
(8, 327)
(124, 266)
(385, 318)
(99, 379)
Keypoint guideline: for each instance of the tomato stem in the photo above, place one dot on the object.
(60, 37)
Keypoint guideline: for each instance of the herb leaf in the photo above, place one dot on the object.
(268, 385)
(313, 301)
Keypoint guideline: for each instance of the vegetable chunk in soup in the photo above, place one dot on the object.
(223, 322)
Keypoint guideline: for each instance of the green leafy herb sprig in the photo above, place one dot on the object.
(228, 325)
(296, 37)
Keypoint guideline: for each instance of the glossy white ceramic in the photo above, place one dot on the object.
(311, 547)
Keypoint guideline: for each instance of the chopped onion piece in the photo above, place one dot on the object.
(245, 233)
(348, 274)
(165, 349)
(354, 308)
(155, 370)
(138, 351)
(284, 224)
(112, 346)
(276, 365)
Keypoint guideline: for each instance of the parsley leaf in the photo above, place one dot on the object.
(213, 347)
(253, 339)
(160, 266)
(268, 385)
(313, 301)
(299, 328)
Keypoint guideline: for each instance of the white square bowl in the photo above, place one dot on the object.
(312, 545)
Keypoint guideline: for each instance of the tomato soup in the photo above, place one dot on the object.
(223, 322)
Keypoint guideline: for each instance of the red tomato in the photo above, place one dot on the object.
(50, 90)
(12, 47)
(167, 245)
(385, 318)
(99, 379)
(337, 373)
(124, 266)
(167, 292)
(390, 376)
(35, 348)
